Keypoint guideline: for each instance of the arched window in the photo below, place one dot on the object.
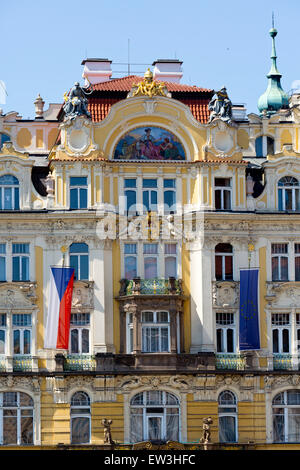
(227, 417)
(79, 260)
(286, 416)
(223, 262)
(264, 146)
(16, 418)
(80, 418)
(154, 416)
(9, 193)
(288, 194)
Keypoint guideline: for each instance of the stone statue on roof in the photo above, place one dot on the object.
(220, 106)
(76, 102)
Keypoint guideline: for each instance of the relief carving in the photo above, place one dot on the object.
(21, 296)
(225, 294)
(283, 294)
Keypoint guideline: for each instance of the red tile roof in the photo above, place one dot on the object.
(99, 107)
(126, 83)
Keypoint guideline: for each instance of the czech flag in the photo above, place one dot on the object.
(59, 311)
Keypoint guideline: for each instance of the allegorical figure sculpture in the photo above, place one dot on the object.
(207, 422)
(220, 106)
(107, 432)
(148, 87)
(76, 102)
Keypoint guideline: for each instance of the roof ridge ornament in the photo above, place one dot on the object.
(149, 87)
(76, 102)
(220, 106)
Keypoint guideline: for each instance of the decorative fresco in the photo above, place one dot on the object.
(149, 143)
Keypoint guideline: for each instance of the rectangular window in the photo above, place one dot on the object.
(225, 323)
(150, 194)
(297, 261)
(170, 260)
(280, 259)
(155, 332)
(130, 260)
(223, 262)
(130, 193)
(79, 260)
(78, 192)
(2, 262)
(80, 333)
(169, 195)
(150, 260)
(2, 333)
(223, 193)
(20, 262)
(281, 332)
(21, 324)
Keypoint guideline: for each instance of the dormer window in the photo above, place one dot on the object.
(9, 193)
(264, 146)
(288, 194)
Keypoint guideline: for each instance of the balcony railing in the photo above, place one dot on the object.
(230, 361)
(156, 286)
(75, 362)
(282, 361)
(22, 363)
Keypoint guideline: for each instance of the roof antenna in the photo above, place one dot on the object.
(128, 57)
(273, 19)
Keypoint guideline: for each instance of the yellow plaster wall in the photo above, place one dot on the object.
(52, 136)
(24, 138)
(110, 410)
(286, 137)
(196, 412)
(39, 138)
(243, 139)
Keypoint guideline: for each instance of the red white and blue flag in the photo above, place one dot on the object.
(59, 311)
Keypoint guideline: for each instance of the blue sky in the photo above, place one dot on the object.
(220, 43)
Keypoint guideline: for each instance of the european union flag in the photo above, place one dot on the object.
(249, 318)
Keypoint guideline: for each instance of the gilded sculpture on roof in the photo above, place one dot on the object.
(148, 87)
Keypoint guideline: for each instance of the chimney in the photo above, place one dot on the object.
(39, 107)
(168, 70)
(96, 70)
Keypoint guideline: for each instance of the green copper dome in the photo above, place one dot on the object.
(274, 97)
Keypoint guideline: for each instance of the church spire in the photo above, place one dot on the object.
(274, 98)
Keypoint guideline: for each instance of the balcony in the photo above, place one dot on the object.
(75, 362)
(230, 361)
(157, 286)
(22, 363)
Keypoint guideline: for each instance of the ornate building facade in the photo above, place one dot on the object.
(158, 194)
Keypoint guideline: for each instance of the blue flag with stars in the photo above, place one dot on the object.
(249, 318)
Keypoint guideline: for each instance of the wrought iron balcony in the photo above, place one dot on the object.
(76, 362)
(230, 361)
(156, 286)
(282, 361)
(22, 363)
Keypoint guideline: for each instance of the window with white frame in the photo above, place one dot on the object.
(150, 251)
(78, 192)
(2, 262)
(16, 419)
(150, 192)
(130, 260)
(170, 250)
(22, 332)
(129, 333)
(226, 332)
(154, 416)
(130, 194)
(264, 145)
(297, 261)
(223, 262)
(288, 194)
(155, 332)
(280, 262)
(223, 193)
(227, 416)
(3, 333)
(80, 418)
(169, 195)
(9, 193)
(281, 332)
(79, 260)
(20, 261)
(80, 333)
(286, 416)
